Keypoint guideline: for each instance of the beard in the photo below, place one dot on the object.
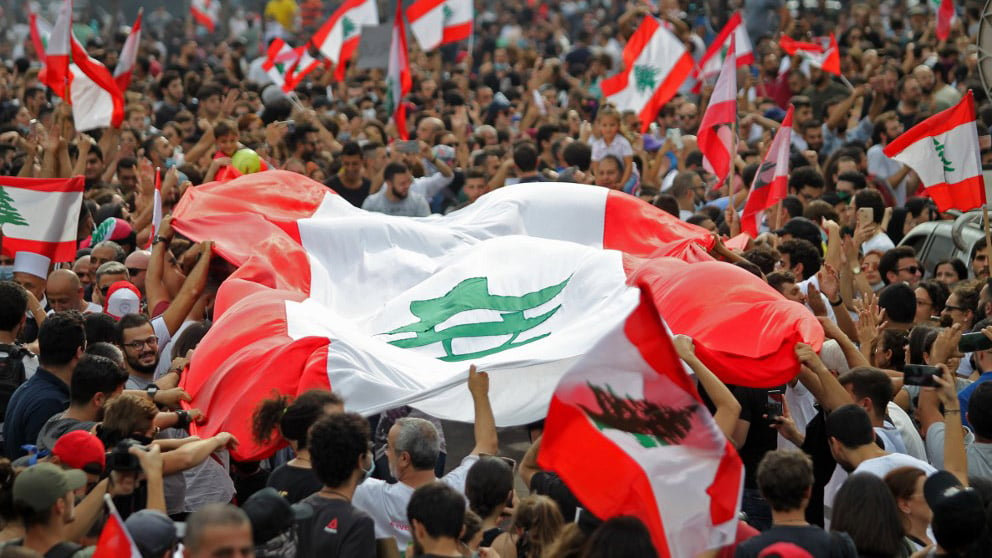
(398, 194)
(136, 365)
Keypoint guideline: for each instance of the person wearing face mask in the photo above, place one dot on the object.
(342, 459)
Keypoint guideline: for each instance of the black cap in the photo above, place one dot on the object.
(801, 227)
(958, 513)
(272, 515)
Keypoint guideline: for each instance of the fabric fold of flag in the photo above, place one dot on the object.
(670, 464)
(40, 215)
(771, 182)
(398, 79)
(96, 98)
(827, 59)
(204, 13)
(521, 283)
(656, 63)
(129, 55)
(944, 152)
(55, 73)
(716, 137)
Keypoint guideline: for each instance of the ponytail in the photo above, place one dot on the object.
(292, 417)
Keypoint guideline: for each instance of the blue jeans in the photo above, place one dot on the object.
(759, 513)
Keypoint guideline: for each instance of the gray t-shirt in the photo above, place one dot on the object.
(979, 454)
(413, 205)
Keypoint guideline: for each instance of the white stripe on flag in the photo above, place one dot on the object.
(37, 207)
(960, 149)
(660, 55)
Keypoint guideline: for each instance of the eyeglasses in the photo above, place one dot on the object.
(911, 269)
(138, 344)
(952, 308)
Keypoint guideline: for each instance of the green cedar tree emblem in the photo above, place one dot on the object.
(645, 77)
(347, 26)
(473, 294)
(653, 425)
(9, 213)
(940, 153)
(448, 12)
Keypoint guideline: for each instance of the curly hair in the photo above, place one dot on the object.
(336, 444)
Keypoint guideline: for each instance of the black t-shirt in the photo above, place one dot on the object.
(354, 196)
(816, 541)
(336, 529)
(761, 437)
(488, 537)
(294, 483)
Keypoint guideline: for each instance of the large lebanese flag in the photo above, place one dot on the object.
(55, 73)
(129, 55)
(390, 311)
(716, 138)
(944, 152)
(338, 38)
(827, 59)
(40, 215)
(655, 65)
(668, 463)
(438, 22)
(771, 182)
(398, 78)
(711, 64)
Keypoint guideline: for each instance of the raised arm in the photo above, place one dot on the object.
(827, 390)
(191, 290)
(486, 439)
(728, 409)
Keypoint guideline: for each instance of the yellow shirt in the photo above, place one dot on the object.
(283, 11)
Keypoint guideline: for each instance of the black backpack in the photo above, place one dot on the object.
(11, 372)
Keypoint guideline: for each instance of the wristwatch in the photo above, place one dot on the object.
(838, 303)
(159, 238)
(856, 270)
(152, 390)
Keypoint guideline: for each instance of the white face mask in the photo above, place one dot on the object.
(371, 469)
(368, 114)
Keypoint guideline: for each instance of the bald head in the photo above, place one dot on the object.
(64, 291)
(82, 269)
(137, 265)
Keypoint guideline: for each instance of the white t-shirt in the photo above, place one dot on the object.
(386, 503)
(881, 466)
(907, 431)
(802, 407)
(880, 242)
(883, 167)
(619, 147)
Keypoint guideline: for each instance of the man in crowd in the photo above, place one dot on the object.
(395, 197)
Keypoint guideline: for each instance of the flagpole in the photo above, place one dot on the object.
(846, 82)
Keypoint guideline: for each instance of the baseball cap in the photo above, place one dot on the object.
(801, 227)
(122, 298)
(81, 450)
(111, 228)
(272, 515)
(152, 531)
(958, 513)
(40, 486)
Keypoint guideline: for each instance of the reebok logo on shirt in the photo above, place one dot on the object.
(332, 527)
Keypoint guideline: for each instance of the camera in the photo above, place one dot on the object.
(119, 459)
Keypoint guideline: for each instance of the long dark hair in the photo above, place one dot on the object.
(293, 417)
(866, 510)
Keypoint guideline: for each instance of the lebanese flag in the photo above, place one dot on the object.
(40, 215)
(156, 207)
(398, 77)
(827, 59)
(115, 541)
(277, 59)
(298, 69)
(711, 64)
(129, 54)
(390, 311)
(651, 435)
(716, 138)
(338, 38)
(41, 30)
(204, 13)
(771, 182)
(438, 22)
(944, 152)
(945, 17)
(55, 73)
(96, 98)
(656, 64)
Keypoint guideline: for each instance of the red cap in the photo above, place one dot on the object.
(81, 450)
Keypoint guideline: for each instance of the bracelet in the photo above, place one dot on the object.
(183, 422)
(838, 303)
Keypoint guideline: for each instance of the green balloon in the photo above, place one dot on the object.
(246, 161)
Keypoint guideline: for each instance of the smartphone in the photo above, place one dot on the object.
(774, 406)
(411, 146)
(290, 125)
(676, 136)
(971, 342)
(919, 375)
(866, 216)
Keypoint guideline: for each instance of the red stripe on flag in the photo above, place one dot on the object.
(669, 87)
(726, 485)
(637, 42)
(964, 195)
(455, 33)
(321, 35)
(348, 49)
(418, 9)
(66, 185)
(59, 251)
(656, 227)
(940, 123)
(710, 144)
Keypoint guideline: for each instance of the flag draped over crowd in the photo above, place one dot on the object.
(390, 311)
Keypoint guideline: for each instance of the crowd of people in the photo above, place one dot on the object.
(864, 453)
